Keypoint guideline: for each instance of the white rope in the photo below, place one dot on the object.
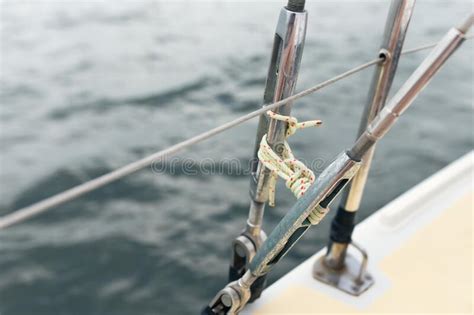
(77, 191)
(298, 177)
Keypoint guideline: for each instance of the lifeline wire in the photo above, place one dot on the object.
(77, 191)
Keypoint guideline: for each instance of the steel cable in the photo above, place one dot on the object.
(77, 191)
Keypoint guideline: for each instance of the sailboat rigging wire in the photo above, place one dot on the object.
(96, 183)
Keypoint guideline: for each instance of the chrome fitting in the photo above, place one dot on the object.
(233, 298)
(385, 54)
(341, 270)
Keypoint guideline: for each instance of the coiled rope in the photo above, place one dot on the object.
(298, 177)
(25, 213)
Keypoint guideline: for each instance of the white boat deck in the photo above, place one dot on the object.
(420, 254)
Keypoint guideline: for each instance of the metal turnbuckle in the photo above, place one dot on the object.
(350, 276)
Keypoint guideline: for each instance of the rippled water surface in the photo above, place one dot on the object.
(88, 86)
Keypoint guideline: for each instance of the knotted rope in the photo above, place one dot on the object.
(298, 177)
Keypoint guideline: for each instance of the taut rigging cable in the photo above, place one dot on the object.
(25, 213)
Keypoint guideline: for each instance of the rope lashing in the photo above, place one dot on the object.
(293, 123)
(298, 177)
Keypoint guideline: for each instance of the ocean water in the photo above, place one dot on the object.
(88, 86)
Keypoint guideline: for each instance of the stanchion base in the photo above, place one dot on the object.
(346, 279)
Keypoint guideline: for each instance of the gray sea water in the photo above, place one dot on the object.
(88, 86)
